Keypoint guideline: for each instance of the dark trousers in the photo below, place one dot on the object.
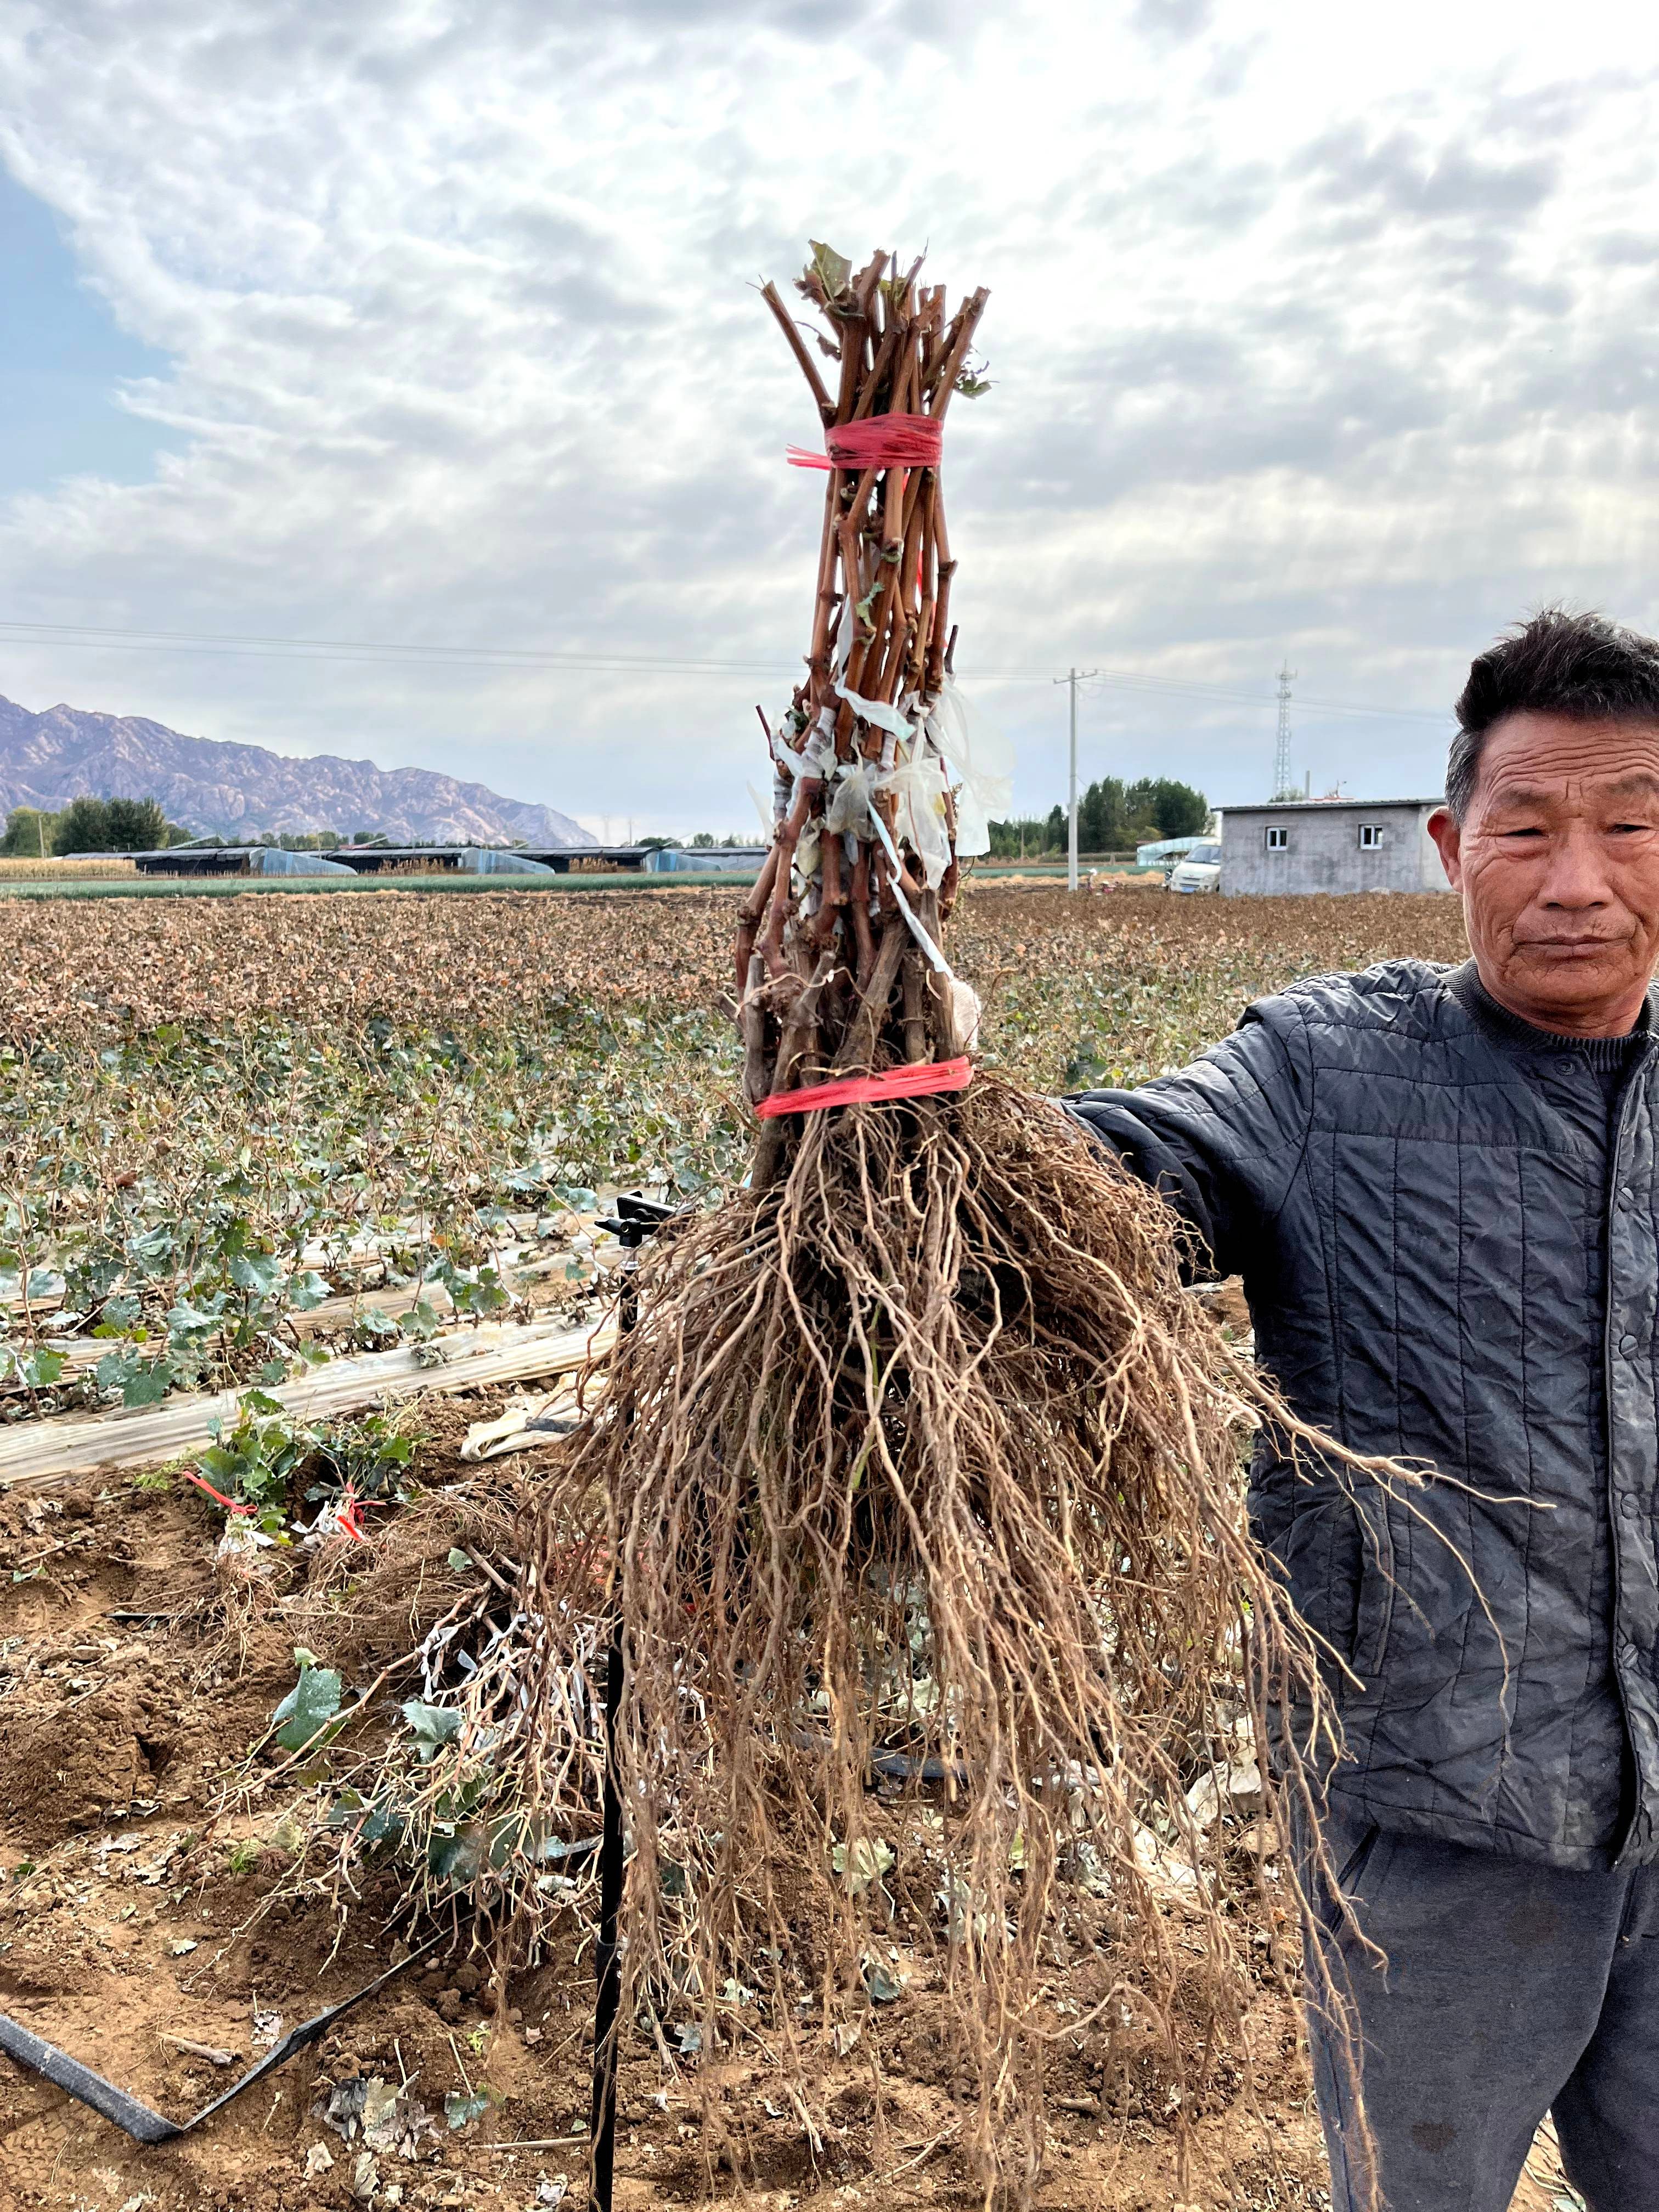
(1511, 1990)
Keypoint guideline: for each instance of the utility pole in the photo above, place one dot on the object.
(1282, 749)
(1072, 678)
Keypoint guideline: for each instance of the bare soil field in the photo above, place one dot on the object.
(145, 1902)
(204, 1102)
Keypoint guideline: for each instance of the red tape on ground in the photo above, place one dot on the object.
(919, 1081)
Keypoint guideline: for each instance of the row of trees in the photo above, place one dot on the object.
(89, 825)
(1112, 816)
(139, 825)
(704, 842)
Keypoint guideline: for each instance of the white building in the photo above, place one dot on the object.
(1330, 845)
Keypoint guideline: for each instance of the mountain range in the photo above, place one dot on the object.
(47, 759)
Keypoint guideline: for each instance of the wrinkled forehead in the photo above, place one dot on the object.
(1548, 757)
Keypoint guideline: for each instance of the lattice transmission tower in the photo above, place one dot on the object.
(1282, 748)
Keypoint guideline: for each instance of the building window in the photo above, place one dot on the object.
(1278, 839)
(1371, 836)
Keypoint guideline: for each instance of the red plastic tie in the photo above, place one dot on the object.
(348, 1515)
(879, 441)
(202, 1482)
(918, 1081)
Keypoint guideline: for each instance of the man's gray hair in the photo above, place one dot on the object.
(1581, 666)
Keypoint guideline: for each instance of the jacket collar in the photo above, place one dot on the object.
(1600, 1053)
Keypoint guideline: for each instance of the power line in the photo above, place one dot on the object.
(240, 645)
(259, 646)
(1131, 679)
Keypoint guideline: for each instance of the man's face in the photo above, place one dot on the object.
(1558, 861)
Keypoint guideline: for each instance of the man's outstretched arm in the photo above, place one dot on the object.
(1222, 1139)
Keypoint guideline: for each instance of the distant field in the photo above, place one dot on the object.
(1134, 981)
(98, 879)
(121, 879)
(44, 874)
(193, 1093)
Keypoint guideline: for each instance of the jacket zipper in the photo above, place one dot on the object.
(1626, 1111)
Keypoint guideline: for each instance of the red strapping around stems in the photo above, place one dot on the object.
(914, 1082)
(879, 441)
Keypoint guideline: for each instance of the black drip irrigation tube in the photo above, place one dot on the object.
(635, 1219)
(891, 1766)
(138, 2120)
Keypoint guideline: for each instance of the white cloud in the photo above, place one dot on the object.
(1311, 332)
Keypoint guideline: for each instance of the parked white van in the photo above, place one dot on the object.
(1199, 871)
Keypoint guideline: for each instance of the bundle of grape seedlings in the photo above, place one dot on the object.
(916, 1490)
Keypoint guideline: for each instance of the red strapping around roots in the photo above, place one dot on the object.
(921, 1082)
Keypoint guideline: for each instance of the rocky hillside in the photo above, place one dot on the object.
(66, 753)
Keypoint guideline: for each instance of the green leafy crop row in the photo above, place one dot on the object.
(181, 1195)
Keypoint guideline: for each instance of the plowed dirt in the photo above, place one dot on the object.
(140, 1904)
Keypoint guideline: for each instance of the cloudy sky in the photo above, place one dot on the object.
(420, 331)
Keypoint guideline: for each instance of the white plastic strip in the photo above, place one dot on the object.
(788, 757)
(873, 710)
(982, 761)
(941, 964)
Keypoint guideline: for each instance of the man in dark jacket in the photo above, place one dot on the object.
(1440, 1186)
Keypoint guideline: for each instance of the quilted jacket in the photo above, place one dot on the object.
(1448, 1254)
